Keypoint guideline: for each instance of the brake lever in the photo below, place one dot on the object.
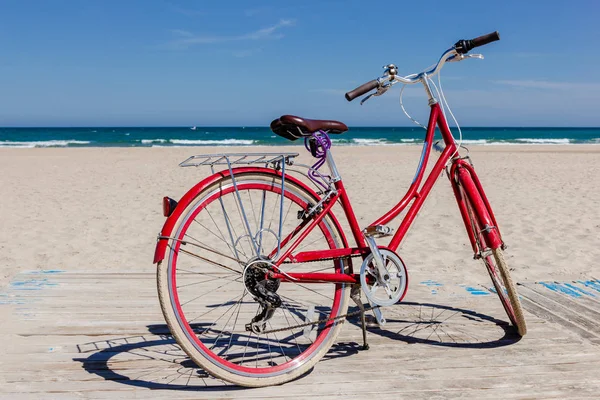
(366, 98)
(460, 57)
(380, 90)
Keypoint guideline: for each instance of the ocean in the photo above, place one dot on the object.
(247, 136)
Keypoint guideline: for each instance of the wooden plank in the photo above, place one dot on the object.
(587, 328)
(125, 347)
(583, 305)
(568, 382)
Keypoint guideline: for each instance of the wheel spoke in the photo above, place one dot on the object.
(204, 294)
(205, 247)
(214, 289)
(189, 253)
(200, 282)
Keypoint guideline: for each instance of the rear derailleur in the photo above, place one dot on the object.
(264, 291)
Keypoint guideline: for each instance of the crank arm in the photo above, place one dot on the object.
(383, 275)
(378, 315)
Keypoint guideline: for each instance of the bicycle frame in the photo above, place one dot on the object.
(416, 194)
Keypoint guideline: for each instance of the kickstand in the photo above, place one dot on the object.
(355, 295)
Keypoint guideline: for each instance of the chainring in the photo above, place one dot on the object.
(384, 293)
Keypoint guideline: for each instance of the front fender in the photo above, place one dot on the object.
(167, 229)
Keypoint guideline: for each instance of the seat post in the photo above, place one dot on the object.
(335, 175)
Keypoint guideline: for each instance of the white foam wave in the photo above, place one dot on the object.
(214, 142)
(475, 141)
(411, 140)
(545, 141)
(46, 143)
(149, 141)
(370, 142)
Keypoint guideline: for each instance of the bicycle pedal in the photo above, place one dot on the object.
(377, 231)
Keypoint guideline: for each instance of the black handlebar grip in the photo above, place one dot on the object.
(362, 89)
(485, 39)
(464, 46)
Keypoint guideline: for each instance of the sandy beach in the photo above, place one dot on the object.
(95, 329)
(100, 208)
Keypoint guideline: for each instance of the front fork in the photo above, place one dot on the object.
(461, 173)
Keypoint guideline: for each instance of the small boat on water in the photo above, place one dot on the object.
(193, 128)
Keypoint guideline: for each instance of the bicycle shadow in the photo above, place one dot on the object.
(440, 325)
(159, 363)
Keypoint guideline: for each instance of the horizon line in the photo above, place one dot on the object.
(268, 127)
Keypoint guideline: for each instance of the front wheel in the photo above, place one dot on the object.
(213, 284)
(493, 259)
(513, 305)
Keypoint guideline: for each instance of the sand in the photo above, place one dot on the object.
(100, 208)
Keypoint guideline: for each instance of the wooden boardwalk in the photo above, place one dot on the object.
(102, 336)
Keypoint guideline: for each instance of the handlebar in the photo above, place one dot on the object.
(464, 46)
(362, 89)
(455, 53)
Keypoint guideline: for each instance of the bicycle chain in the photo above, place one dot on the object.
(324, 320)
(325, 259)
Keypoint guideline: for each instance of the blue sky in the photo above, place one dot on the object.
(176, 62)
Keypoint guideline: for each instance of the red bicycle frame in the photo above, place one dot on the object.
(461, 173)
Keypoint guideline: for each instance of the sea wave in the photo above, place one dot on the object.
(473, 141)
(544, 141)
(42, 143)
(370, 142)
(150, 141)
(225, 142)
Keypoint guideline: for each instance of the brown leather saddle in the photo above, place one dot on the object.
(292, 127)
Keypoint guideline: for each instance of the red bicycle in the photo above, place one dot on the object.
(255, 271)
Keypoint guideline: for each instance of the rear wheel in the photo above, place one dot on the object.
(493, 259)
(223, 310)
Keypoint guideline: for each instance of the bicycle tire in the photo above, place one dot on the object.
(519, 319)
(222, 363)
(505, 289)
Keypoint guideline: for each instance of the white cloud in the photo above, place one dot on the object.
(267, 32)
(187, 39)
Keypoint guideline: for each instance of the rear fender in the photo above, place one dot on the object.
(167, 229)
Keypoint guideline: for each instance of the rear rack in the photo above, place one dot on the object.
(277, 161)
(274, 159)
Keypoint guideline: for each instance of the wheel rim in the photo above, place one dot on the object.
(490, 262)
(224, 341)
(500, 288)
